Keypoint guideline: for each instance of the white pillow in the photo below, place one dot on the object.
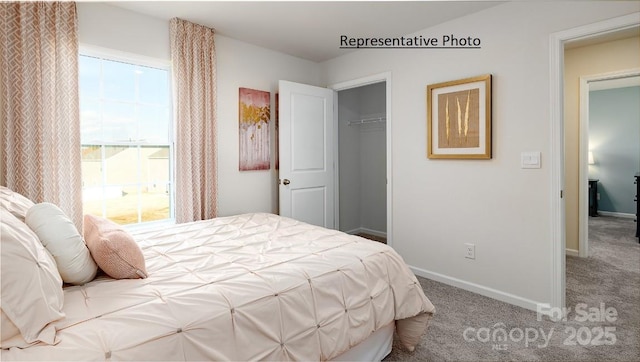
(14, 202)
(31, 287)
(7, 328)
(59, 235)
(11, 336)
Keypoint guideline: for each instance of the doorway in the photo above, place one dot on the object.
(362, 161)
(558, 40)
(363, 149)
(612, 141)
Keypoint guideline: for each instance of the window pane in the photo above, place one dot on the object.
(119, 122)
(92, 206)
(155, 166)
(123, 209)
(118, 81)
(126, 127)
(154, 201)
(89, 77)
(154, 124)
(156, 173)
(92, 192)
(91, 130)
(91, 166)
(121, 165)
(153, 85)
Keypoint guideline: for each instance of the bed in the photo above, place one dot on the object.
(248, 287)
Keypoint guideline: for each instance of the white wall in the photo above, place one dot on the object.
(111, 27)
(438, 205)
(238, 65)
(244, 65)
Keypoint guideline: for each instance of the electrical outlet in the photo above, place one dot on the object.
(469, 251)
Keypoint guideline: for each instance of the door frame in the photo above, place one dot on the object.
(583, 204)
(355, 83)
(556, 72)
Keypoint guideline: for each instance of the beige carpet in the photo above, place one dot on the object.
(610, 277)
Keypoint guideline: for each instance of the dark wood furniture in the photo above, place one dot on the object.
(593, 197)
(637, 182)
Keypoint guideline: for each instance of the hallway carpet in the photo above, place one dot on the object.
(609, 280)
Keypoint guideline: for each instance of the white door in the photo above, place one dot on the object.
(306, 153)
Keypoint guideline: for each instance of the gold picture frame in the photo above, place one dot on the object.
(459, 119)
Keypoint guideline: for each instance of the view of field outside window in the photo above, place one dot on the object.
(125, 117)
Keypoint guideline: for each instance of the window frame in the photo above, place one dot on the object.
(145, 61)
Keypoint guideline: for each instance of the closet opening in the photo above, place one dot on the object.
(362, 161)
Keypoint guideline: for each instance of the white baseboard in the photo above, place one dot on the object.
(381, 234)
(572, 252)
(617, 214)
(478, 289)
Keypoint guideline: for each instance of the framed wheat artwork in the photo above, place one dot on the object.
(459, 119)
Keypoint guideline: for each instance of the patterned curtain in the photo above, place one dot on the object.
(39, 103)
(194, 80)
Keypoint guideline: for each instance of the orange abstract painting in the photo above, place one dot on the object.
(255, 113)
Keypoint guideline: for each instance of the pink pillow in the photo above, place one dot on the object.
(113, 249)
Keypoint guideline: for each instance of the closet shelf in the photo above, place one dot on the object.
(366, 121)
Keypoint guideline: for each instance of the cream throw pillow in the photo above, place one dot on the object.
(114, 250)
(59, 235)
(31, 287)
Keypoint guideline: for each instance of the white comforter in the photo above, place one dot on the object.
(247, 287)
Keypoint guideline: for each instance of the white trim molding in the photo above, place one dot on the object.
(478, 289)
(617, 214)
(122, 56)
(572, 252)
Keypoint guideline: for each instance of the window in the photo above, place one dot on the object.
(126, 137)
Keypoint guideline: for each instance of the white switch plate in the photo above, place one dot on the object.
(530, 160)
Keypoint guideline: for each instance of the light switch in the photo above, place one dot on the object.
(530, 160)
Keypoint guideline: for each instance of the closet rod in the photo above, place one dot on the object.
(367, 120)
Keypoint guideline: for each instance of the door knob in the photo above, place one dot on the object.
(286, 181)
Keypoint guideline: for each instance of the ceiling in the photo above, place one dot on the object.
(309, 29)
